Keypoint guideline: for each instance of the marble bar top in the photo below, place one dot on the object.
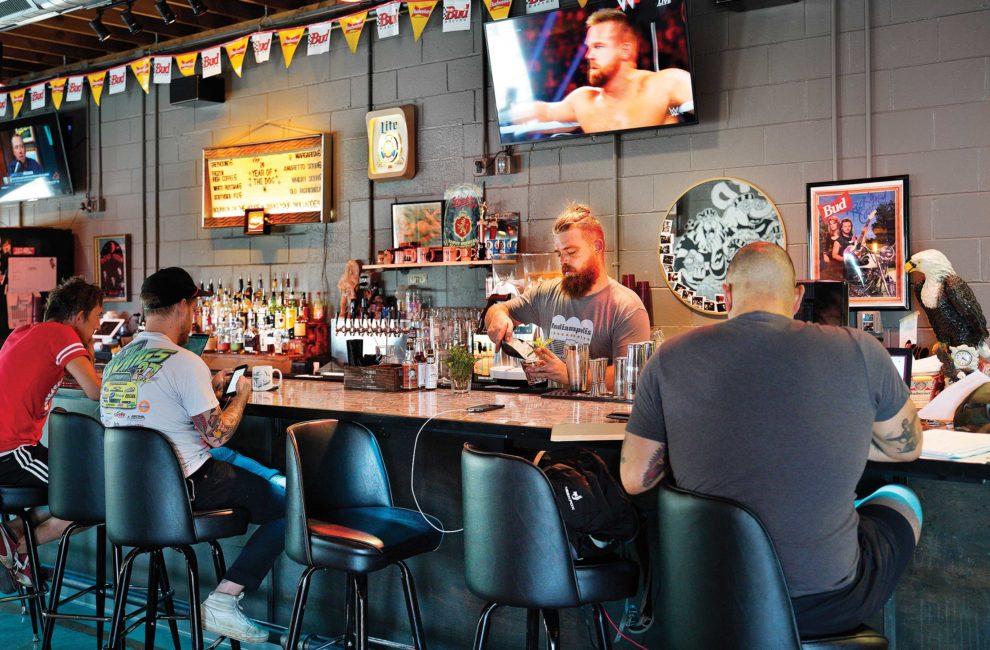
(521, 413)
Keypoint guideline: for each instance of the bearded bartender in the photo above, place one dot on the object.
(584, 306)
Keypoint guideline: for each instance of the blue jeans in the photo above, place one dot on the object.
(274, 478)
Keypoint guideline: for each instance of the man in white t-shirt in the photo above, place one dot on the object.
(154, 382)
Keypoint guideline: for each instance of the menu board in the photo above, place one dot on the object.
(289, 179)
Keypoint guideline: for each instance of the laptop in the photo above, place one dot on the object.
(902, 361)
(197, 343)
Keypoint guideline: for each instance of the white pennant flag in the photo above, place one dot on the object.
(118, 80)
(318, 41)
(261, 42)
(73, 91)
(388, 20)
(3, 104)
(211, 61)
(37, 93)
(536, 6)
(163, 70)
(456, 15)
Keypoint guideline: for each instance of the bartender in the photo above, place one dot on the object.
(584, 306)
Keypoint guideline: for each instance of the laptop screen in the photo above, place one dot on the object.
(902, 361)
(197, 343)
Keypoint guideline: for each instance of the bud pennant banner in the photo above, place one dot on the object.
(388, 19)
(289, 38)
(261, 42)
(352, 26)
(96, 81)
(186, 63)
(3, 104)
(499, 9)
(536, 6)
(58, 91)
(236, 51)
(318, 41)
(163, 70)
(17, 99)
(74, 93)
(419, 14)
(211, 61)
(457, 15)
(142, 72)
(118, 80)
(38, 93)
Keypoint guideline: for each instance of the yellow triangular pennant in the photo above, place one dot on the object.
(419, 14)
(352, 26)
(142, 72)
(289, 38)
(17, 99)
(236, 51)
(96, 81)
(499, 9)
(186, 63)
(58, 91)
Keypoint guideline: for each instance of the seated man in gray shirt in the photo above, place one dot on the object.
(781, 416)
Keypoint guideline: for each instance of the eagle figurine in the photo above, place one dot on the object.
(953, 312)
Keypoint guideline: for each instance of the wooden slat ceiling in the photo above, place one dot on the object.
(67, 39)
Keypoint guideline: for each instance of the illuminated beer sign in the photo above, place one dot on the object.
(392, 143)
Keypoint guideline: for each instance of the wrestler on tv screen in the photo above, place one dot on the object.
(595, 69)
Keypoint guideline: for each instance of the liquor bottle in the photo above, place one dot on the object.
(251, 335)
(259, 292)
(319, 307)
(248, 296)
(409, 368)
(420, 358)
(432, 371)
(240, 287)
(299, 327)
(290, 309)
(303, 309)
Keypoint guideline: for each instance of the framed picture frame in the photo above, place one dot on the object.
(111, 261)
(418, 222)
(858, 232)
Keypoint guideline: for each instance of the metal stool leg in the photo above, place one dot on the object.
(37, 591)
(165, 586)
(412, 607)
(56, 592)
(195, 619)
(123, 583)
(361, 607)
(151, 604)
(299, 608)
(481, 634)
(604, 637)
(532, 629)
(551, 622)
(349, 641)
(101, 580)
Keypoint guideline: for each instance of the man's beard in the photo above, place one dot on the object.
(599, 76)
(577, 285)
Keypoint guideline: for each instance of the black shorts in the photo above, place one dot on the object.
(26, 466)
(886, 544)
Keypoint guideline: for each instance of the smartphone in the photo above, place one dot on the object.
(481, 408)
(238, 373)
(619, 416)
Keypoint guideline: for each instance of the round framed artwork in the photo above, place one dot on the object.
(703, 230)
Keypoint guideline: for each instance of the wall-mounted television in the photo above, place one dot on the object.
(591, 70)
(34, 163)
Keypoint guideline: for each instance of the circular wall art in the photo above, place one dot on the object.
(704, 229)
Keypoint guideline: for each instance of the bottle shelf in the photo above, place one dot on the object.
(410, 265)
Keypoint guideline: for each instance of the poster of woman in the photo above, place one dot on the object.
(110, 255)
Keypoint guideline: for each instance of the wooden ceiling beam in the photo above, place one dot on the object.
(183, 16)
(72, 53)
(76, 46)
(79, 23)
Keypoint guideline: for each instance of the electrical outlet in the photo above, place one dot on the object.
(417, 278)
(481, 166)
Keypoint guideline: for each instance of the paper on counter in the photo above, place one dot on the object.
(943, 444)
(944, 406)
(587, 431)
(927, 366)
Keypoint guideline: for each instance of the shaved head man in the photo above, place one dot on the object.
(781, 416)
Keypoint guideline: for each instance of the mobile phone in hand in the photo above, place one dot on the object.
(238, 373)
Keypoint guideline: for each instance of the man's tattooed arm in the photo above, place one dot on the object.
(899, 438)
(656, 468)
(217, 426)
(643, 463)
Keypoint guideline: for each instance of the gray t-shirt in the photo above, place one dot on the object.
(609, 320)
(776, 414)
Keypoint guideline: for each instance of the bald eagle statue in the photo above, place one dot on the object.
(953, 312)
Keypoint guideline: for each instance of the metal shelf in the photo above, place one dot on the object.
(410, 265)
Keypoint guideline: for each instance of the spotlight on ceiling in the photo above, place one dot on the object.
(198, 8)
(133, 26)
(168, 17)
(102, 33)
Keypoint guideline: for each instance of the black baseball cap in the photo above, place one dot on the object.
(166, 287)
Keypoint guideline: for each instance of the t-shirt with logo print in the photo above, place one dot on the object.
(608, 320)
(154, 383)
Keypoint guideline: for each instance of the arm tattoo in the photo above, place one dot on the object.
(216, 427)
(909, 436)
(657, 467)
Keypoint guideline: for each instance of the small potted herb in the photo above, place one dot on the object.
(460, 362)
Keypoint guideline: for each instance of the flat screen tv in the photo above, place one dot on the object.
(34, 161)
(597, 69)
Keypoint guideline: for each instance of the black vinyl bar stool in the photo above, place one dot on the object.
(516, 551)
(148, 507)
(339, 515)
(17, 502)
(76, 494)
(721, 584)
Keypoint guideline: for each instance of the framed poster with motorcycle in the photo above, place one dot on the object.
(858, 232)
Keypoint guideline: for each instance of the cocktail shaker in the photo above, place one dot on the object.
(619, 377)
(597, 382)
(637, 354)
(576, 361)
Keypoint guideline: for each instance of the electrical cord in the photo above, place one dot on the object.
(412, 476)
(612, 623)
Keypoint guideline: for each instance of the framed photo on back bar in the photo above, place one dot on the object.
(110, 260)
(418, 223)
(858, 232)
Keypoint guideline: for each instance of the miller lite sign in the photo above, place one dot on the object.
(318, 41)
(38, 96)
(74, 88)
(262, 44)
(211, 61)
(388, 20)
(162, 70)
(456, 15)
(118, 80)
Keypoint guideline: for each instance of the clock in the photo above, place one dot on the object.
(392, 142)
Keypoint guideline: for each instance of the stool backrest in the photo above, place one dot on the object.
(75, 467)
(515, 545)
(147, 500)
(719, 577)
(329, 465)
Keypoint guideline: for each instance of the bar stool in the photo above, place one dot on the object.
(149, 508)
(721, 585)
(76, 494)
(516, 551)
(349, 523)
(18, 501)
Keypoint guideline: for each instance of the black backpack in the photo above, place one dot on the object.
(597, 512)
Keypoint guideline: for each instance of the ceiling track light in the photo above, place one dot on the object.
(198, 8)
(168, 16)
(133, 26)
(102, 33)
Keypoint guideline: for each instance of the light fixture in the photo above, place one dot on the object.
(102, 33)
(133, 26)
(168, 17)
(198, 8)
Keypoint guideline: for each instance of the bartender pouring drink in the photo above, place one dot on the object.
(585, 306)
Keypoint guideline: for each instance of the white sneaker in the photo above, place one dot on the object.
(222, 615)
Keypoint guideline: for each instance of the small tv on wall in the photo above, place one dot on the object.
(33, 159)
(591, 70)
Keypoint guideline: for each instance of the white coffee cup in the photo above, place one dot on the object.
(261, 378)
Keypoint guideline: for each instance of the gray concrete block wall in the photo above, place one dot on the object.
(763, 94)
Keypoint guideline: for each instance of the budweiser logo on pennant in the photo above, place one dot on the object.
(211, 61)
(421, 12)
(456, 15)
(74, 89)
(388, 20)
(319, 39)
(37, 96)
(842, 204)
(162, 70)
(118, 80)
